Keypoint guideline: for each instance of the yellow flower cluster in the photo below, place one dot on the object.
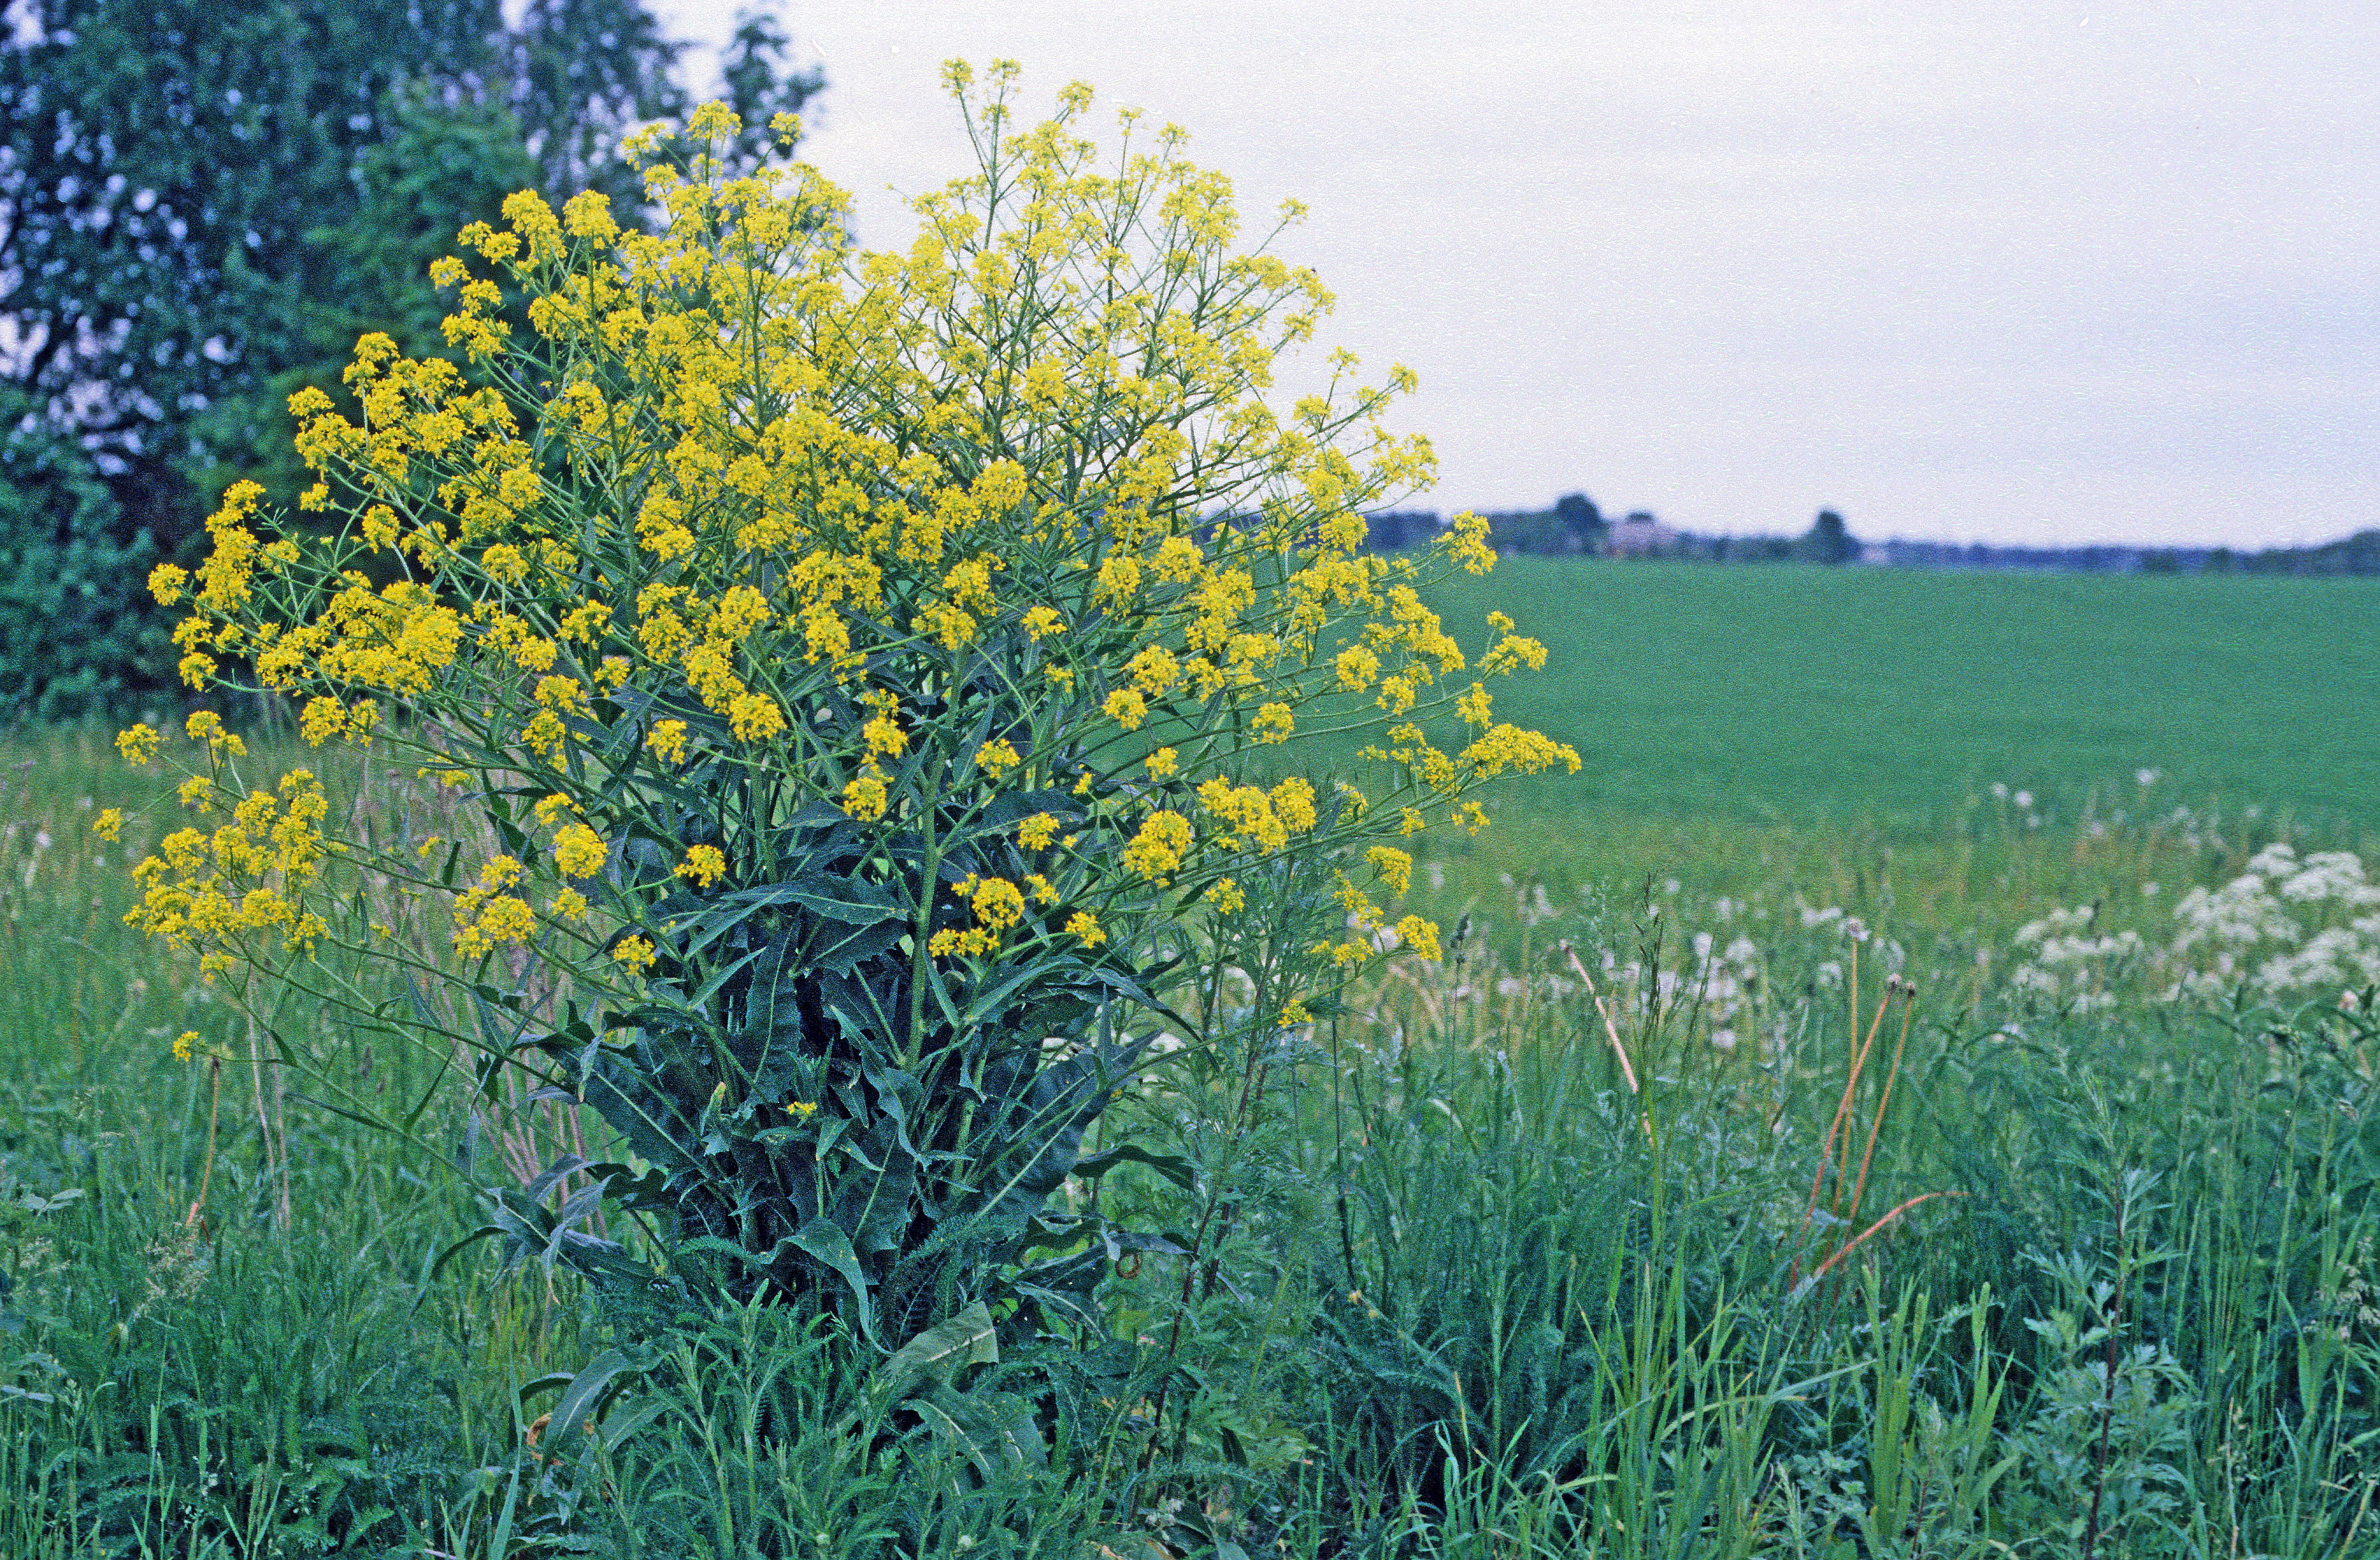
(788, 529)
(489, 915)
(579, 851)
(1158, 848)
(1253, 818)
(703, 865)
(999, 908)
(213, 891)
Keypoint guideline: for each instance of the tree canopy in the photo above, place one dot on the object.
(1828, 540)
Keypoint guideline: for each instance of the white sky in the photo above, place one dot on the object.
(2006, 271)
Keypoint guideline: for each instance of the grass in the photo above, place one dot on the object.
(1541, 1250)
(1744, 725)
(1787, 695)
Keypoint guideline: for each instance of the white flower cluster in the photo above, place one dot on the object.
(2070, 965)
(2256, 927)
(1724, 981)
(2288, 928)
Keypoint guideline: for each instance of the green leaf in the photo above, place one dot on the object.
(590, 1391)
(996, 1428)
(1172, 1166)
(934, 1355)
(822, 1240)
(847, 900)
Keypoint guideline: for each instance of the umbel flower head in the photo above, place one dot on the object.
(944, 626)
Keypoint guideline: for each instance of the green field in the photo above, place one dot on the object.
(1837, 727)
(1801, 695)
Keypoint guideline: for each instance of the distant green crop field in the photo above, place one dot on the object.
(1801, 695)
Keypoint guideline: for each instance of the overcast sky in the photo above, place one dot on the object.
(2012, 271)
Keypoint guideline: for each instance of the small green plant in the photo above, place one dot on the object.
(2111, 1421)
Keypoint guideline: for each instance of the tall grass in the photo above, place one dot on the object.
(1525, 1262)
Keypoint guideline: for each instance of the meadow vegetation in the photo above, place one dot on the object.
(1484, 1295)
(843, 1052)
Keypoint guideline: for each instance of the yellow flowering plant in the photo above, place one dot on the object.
(823, 694)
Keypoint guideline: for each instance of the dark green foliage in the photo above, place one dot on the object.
(178, 1384)
(748, 1433)
(1577, 1334)
(77, 635)
(824, 1129)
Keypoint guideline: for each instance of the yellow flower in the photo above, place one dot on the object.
(996, 758)
(1293, 803)
(110, 823)
(857, 513)
(323, 718)
(1119, 581)
(506, 918)
(137, 744)
(1154, 671)
(754, 718)
(800, 1110)
(1158, 849)
(865, 797)
(1466, 543)
(182, 1043)
(579, 851)
(1127, 709)
(999, 903)
(505, 564)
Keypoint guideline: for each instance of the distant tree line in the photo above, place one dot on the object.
(2357, 554)
(1576, 528)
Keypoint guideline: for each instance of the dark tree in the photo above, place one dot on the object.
(1583, 521)
(1829, 542)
